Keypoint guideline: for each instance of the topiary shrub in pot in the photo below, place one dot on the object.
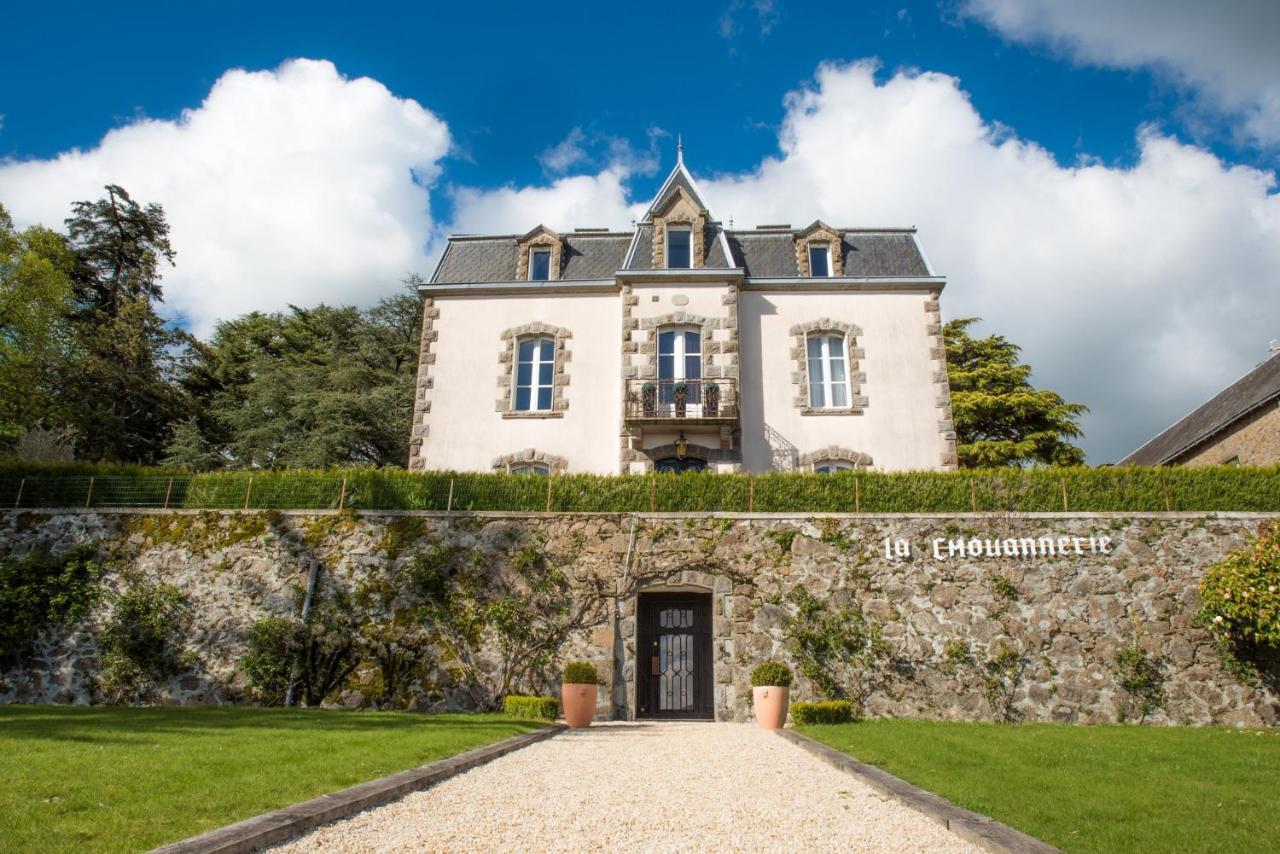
(770, 691)
(579, 692)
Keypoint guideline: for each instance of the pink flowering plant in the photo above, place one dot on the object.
(1240, 596)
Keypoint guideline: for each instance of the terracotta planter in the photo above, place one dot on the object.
(579, 703)
(770, 703)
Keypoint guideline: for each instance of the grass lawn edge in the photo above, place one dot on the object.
(976, 828)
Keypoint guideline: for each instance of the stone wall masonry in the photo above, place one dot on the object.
(1066, 614)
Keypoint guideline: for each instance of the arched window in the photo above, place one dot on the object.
(530, 468)
(535, 374)
(832, 466)
(828, 377)
(678, 465)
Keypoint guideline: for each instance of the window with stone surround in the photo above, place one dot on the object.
(833, 458)
(533, 377)
(826, 357)
(530, 461)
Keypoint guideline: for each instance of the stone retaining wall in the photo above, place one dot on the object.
(1064, 614)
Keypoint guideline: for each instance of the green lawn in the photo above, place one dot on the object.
(1107, 788)
(121, 779)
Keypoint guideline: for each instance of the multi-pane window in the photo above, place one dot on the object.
(831, 466)
(819, 260)
(828, 379)
(680, 365)
(530, 468)
(535, 374)
(679, 247)
(539, 265)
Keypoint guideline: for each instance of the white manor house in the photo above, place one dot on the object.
(683, 345)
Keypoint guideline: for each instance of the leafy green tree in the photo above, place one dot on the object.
(1000, 418)
(37, 346)
(126, 399)
(312, 388)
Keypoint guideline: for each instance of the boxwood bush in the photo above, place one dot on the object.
(771, 673)
(530, 708)
(824, 712)
(581, 673)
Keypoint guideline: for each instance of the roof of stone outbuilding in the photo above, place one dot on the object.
(475, 259)
(1259, 387)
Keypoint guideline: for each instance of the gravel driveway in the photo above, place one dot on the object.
(643, 787)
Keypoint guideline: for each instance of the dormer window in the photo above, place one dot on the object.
(679, 247)
(539, 265)
(819, 260)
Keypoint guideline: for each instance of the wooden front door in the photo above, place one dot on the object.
(673, 656)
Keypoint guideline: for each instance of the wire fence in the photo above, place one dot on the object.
(1046, 490)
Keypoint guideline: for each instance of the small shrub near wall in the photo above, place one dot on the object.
(581, 673)
(825, 712)
(530, 708)
(1240, 603)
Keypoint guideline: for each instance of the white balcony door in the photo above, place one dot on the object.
(680, 361)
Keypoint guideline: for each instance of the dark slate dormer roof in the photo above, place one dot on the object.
(479, 259)
(1260, 387)
(679, 179)
(713, 258)
(771, 253)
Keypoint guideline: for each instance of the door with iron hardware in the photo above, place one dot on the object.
(673, 656)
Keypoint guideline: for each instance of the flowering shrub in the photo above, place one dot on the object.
(1240, 596)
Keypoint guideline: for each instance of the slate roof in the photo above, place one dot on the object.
(679, 179)
(1257, 388)
(761, 254)
(772, 254)
(714, 252)
(474, 260)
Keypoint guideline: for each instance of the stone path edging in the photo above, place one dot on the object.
(271, 828)
(980, 830)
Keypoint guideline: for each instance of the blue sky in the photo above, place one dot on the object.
(1097, 179)
(717, 75)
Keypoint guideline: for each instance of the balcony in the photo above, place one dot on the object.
(682, 401)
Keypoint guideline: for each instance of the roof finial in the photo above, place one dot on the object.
(679, 150)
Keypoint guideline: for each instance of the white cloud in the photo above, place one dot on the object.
(565, 154)
(580, 201)
(1225, 51)
(296, 185)
(1138, 291)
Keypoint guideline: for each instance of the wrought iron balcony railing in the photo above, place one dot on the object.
(703, 400)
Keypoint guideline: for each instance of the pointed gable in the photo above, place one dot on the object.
(819, 232)
(539, 236)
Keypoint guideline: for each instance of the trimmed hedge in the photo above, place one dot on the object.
(771, 673)
(1003, 490)
(581, 673)
(823, 712)
(530, 708)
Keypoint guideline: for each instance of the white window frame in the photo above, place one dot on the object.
(535, 370)
(666, 246)
(534, 251)
(825, 358)
(832, 466)
(825, 248)
(679, 366)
